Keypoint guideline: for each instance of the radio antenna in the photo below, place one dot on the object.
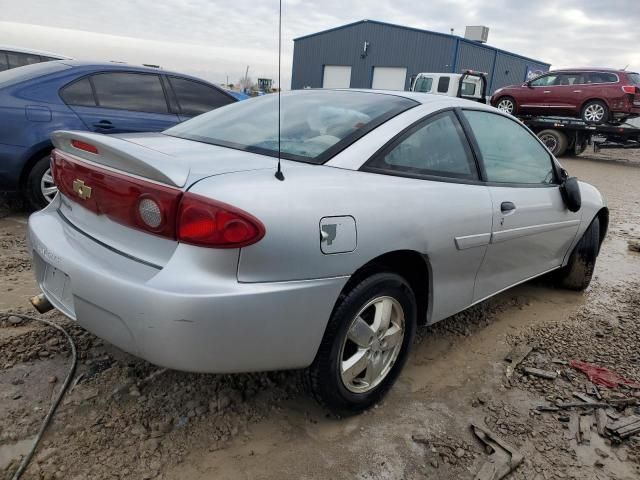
(279, 174)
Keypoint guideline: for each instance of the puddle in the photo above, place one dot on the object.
(10, 451)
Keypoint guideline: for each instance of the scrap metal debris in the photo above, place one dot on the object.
(503, 459)
(602, 376)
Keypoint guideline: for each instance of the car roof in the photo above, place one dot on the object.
(11, 48)
(438, 101)
(593, 69)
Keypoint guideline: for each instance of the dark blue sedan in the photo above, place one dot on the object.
(37, 99)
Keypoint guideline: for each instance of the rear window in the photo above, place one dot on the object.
(634, 78)
(28, 72)
(316, 124)
(468, 89)
(601, 77)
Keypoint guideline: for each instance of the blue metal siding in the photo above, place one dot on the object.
(396, 46)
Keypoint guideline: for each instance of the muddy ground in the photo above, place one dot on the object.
(114, 424)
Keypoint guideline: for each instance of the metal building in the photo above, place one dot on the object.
(372, 54)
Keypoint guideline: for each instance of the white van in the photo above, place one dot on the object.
(470, 85)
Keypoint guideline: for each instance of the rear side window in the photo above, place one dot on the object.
(435, 147)
(196, 98)
(443, 85)
(138, 92)
(601, 77)
(79, 93)
(634, 78)
(510, 153)
(423, 84)
(4, 63)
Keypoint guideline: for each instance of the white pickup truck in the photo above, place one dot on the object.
(470, 84)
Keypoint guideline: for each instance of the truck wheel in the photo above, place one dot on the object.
(507, 105)
(595, 111)
(555, 141)
(40, 189)
(577, 274)
(365, 345)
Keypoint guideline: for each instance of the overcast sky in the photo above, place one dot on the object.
(216, 39)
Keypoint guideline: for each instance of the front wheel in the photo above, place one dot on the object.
(40, 188)
(506, 105)
(577, 274)
(365, 345)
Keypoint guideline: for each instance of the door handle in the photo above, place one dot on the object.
(577, 91)
(547, 91)
(104, 124)
(507, 207)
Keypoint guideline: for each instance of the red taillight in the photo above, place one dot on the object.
(209, 223)
(154, 208)
(124, 199)
(87, 147)
(630, 89)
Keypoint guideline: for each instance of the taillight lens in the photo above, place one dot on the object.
(209, 223)
(630, 89)
(154, 208)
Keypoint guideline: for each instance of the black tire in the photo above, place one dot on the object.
(505, 100)
(323, 377)
(579, 271)
(33, 190)
(600, 106)
(557, 142)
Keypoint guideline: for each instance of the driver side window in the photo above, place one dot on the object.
(544, 81)
(510, 153)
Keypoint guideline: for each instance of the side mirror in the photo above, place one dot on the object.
(570, 191)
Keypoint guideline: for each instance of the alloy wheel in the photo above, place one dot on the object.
(506, 105)
(372, 345)
(594, 113)
(47, 186)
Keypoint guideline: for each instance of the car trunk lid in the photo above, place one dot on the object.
(102, 180)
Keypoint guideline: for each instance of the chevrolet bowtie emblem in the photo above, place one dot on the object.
(81, 189)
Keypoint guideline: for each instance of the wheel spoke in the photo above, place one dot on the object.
(354, 365)
(374, 368)
(391, 338)
(361, 333)
(47, 178)
(49, 191)
(382, 317)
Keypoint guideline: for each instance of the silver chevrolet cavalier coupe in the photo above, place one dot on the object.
(393, 210)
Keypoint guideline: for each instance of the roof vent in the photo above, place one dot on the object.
(477, 33)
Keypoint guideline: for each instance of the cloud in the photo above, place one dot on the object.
(216, 39)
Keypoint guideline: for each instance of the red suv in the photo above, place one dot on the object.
(596, 95)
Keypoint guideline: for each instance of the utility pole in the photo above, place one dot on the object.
(246, 79)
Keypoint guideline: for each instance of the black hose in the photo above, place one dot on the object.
(74, 359)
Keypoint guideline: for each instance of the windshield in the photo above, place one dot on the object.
(316, 124)
(27, 72)
(634, 77)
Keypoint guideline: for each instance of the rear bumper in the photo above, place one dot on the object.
(182, 316)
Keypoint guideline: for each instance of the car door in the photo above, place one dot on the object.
(195, 98)
(534, 99)
(120, 102)
(532, 228)
(450, 205)
(566, 94)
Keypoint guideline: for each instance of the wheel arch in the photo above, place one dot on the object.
(594, 99)
(37, 153)
(411, 265)
(603, 216)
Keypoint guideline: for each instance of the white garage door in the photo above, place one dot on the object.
(336, 76)
(389, 78)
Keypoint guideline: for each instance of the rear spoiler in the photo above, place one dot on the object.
(120, 154)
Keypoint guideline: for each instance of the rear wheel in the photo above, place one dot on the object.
(507, 105)
(579, 270)
(595, 111)
(40, 189)
(555, 141)
(365, 345)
